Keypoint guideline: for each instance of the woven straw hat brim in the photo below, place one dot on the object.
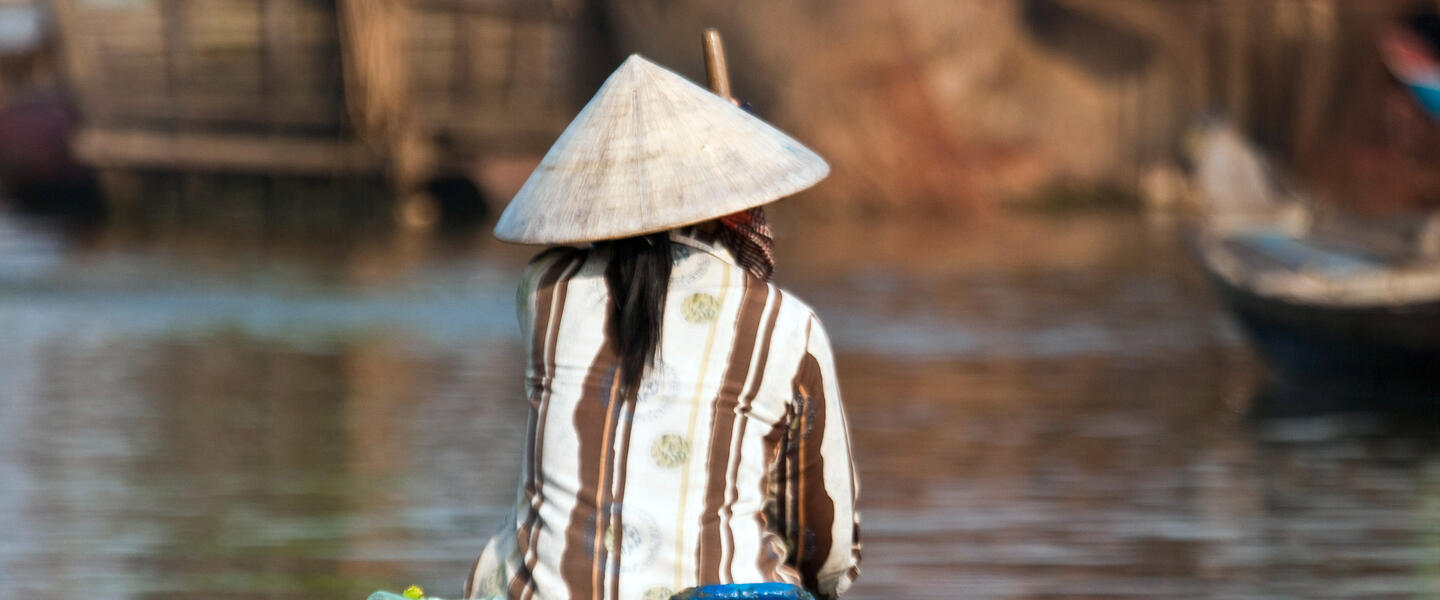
(653, 151)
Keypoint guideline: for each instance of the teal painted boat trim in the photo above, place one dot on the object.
(745, 591)
(1429, 96)
(1300, 254)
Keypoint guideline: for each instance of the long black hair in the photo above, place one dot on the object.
(638, 277)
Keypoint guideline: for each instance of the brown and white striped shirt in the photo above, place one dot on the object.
(730, 464)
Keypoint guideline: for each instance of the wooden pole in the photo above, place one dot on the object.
(716, 72)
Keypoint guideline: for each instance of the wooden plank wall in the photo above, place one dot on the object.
(200, 65)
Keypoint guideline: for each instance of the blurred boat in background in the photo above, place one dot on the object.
(38, 174)
(1428, 93)
(1411, 52)
(1326, 299)
(1323, 311)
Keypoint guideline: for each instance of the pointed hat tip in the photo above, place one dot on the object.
(633, 65)
(635, 60)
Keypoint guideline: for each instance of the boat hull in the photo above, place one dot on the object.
(1368, 346)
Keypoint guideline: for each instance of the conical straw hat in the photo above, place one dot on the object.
(653, 151)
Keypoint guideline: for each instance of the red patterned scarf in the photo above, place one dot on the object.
(749, 237)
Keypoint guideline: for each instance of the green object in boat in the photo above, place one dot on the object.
(413, 592)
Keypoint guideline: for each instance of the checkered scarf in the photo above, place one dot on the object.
(749, 237)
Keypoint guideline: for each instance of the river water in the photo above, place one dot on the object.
(1042, 407)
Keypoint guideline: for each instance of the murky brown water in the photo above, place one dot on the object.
(1042, 408)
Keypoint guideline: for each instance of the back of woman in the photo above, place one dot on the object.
(684, 425)
(695, 477)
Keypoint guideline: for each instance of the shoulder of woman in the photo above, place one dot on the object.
(799, 315)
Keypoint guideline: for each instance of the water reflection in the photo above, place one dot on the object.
(1096, 480)
(1042, 409)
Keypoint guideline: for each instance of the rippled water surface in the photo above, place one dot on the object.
(1042, 408)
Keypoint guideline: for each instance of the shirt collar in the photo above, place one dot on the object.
(690, 236)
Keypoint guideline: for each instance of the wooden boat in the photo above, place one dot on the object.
(733, 591)
(1335, 300)
(1319, 311)
(1409, 52)
(38, 173)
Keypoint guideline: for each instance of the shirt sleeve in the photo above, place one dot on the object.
(824, 531)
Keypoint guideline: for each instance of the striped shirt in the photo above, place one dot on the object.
(729, 464)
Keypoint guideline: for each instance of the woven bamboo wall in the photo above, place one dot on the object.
(198, 65)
